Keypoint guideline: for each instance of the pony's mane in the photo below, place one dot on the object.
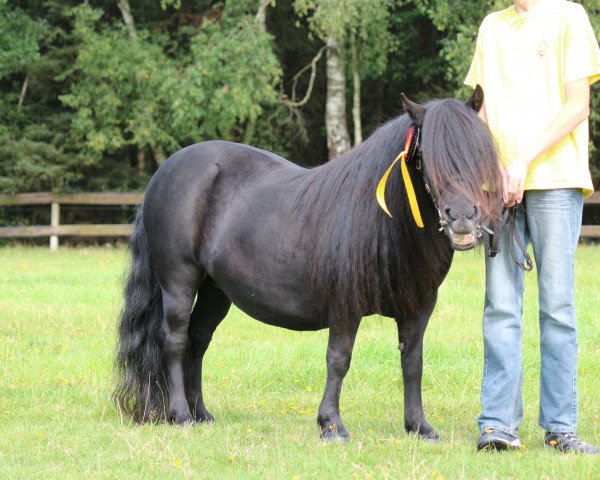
(361, 260)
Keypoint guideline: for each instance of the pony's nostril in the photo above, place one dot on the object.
(473, 213)
(448, 212)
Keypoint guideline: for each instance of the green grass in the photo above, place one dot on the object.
(263, 384)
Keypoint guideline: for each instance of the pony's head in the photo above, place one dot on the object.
(459, 165)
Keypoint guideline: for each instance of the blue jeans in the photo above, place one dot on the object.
(551, 220)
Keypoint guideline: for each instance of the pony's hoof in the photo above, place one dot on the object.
(181, 419)
(333, 434)
(433, 440)
(427, 436)
(425, 433)
(334, 438)
(204, 417)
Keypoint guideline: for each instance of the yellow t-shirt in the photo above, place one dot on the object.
(523, 61)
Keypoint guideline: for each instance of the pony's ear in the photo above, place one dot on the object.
(475, 101)
(415, 111)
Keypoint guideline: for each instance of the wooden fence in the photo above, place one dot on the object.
(591, 231)
(55, 229)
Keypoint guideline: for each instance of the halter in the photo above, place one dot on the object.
(416, 154)
(410, 155)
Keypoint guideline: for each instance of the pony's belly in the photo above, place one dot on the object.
(286, 309)
(262, 272)
(291, 323)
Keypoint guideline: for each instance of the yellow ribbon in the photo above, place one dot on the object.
(410, 191)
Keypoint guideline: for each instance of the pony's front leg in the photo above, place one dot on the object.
(339, 354)
(410, 336)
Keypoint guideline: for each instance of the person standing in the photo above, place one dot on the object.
(536, 61)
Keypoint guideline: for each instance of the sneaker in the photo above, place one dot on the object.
(568, 443)
(492, 439)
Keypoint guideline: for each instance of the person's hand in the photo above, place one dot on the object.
(513, 182)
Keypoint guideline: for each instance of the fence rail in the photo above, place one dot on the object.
(55, 229)
(46, 198)
(591, 231)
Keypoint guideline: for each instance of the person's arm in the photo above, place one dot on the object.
(575, 111)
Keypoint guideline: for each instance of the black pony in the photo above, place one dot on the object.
(303, 249)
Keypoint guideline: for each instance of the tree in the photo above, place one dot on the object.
(138, 78)
(459, 21)
(117, 97)
(216, 89)
(355, 31)
(19, 39)
(228, 83)
(30, 158)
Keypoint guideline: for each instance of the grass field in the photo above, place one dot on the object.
(263, 385)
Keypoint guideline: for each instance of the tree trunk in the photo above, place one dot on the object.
(23, 92)
(356, 105)
(141, 161)
(127, 17)
(159, 154)
(261, 15)
(338, 139)
(261, 19)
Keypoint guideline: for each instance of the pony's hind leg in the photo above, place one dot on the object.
(211, 307)
(178, 295)
(410, 337)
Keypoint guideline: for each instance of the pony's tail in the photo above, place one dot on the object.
(142, 388)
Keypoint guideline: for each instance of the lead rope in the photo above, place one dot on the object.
(526, 266)
(509, 216)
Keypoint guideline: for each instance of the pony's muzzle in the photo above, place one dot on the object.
(461, 226)
(462, 213)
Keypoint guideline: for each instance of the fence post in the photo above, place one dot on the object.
(54, 222)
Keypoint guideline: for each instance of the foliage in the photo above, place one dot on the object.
(31, 156)
(33, 163)
(420, 70)
(19, 39)
(84, 105)
(176, 4)
(146, 98)
(116, 97)
(228, 83)
(367, 23)
(459, 20)
(28, 157)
